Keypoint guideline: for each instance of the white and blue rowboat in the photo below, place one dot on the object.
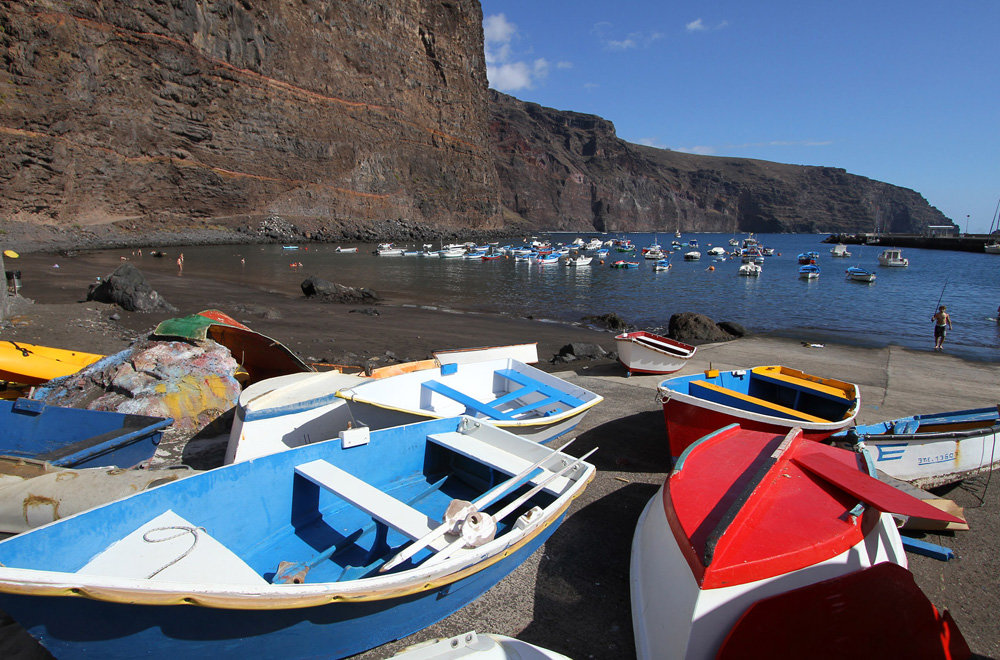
(858, 274)
(473, 645)
(328, 549)
(809, 271)
(288, 411)
(506, 393)
(932, 450)
(548, 259)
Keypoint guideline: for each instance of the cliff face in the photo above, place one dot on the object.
(343, 110)
(569, 171)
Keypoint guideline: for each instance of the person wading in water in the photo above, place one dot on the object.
(942, 320)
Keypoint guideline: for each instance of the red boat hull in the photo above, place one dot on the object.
(687, 423)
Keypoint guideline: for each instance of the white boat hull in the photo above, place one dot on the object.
(673, 618)
(650, 356)
(527, 353)
(937, 458)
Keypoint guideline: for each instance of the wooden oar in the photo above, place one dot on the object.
(870, 490)
(457, 544)
(485, 500)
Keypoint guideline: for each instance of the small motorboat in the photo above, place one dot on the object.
(749, 516)
(750, 269)
(859, 274)
(809, 271)
(808, 257)
(766, 398)
(625, 264)
(31, 364)
(387, 250)
(717, 251)
(647, 353)
(662, 265)
(77, 437)
(346, 250)
(337, 546)
(992, 248)
(579, 260)
(893, 257)
(931, 450)
(839, 250)
(505, 393)
(693, 255)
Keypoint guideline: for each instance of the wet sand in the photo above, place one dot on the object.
(572, 596)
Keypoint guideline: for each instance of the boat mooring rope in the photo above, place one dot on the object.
(181, 530)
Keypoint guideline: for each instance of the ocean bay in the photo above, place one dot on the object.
(895, 309)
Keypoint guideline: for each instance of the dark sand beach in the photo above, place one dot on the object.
(572, 596)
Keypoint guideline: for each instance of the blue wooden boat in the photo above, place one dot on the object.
(809, 271)
(75, 437)
(326, 550)
(932, 450)
(859, 274)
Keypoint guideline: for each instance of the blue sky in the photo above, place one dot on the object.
(902, 92)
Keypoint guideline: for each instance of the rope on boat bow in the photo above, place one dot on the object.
(181, 530)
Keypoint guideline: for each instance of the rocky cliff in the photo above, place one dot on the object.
(127, 122)
(334, 112)
(569, 171)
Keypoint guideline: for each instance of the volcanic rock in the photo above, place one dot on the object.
(315, 287)
(127, 288)
(692, 328)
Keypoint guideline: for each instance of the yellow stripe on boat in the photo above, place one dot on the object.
(790, 412)
(830, 386)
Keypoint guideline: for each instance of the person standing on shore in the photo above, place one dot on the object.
(942, 320)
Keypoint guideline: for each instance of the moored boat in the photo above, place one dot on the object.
(506, 393)
(933, 449)
(692, 255)
(839, 250)
(31, 364)
(809, 271)
(647, 353)
(625, 264)
(579, 260)
(344, 250)
(334, 547)
(746, 516)
(765, 398)
(77, 437)
(859, 274)
(893, 257)
(662, 265)
(808, 257)
(750, 269)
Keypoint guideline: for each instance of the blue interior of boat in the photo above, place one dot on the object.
(493, 409)
(265, 513)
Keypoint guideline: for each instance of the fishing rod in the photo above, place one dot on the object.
(941, 297)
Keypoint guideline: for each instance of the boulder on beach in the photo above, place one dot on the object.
(194, 383)
(692, 328)
(127, 288)
(610, 321)
(315, 287)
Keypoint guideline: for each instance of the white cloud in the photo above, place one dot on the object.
(695, 26)
(505, 72)
(700, 150)
(705, 150)
(624, 44)
(652, 142)
(564, 65)
(611, 41)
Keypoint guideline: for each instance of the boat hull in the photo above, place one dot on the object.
(647, 353)
(33, 365)
(672, 617)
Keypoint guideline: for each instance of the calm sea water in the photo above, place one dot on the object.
(895, 309)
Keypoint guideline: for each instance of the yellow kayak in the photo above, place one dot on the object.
(32, 364)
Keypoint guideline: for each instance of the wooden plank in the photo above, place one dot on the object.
(740, 396)
(378, 504)
(803, 384)
(495, 457)
(926, 549)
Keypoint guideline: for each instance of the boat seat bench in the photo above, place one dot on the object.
(713, 392)
(491, 409)
(662, 346)
(378, 504)
(495, 457)
(826, 391)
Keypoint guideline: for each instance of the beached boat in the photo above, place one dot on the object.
(693, 255)
(766, 398)
(859, 274)
(506, 393)
(809, 271)
(334, 549)
(526, 353)
(31, 364)
(749, 516)
(932, 450)
(625, 264)
(750, 269)
(839, 250)
(259, 355)
(473, 645)
(893, 257)
(77, 437)
(647, 353)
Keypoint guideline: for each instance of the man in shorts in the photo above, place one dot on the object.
(942, 322)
